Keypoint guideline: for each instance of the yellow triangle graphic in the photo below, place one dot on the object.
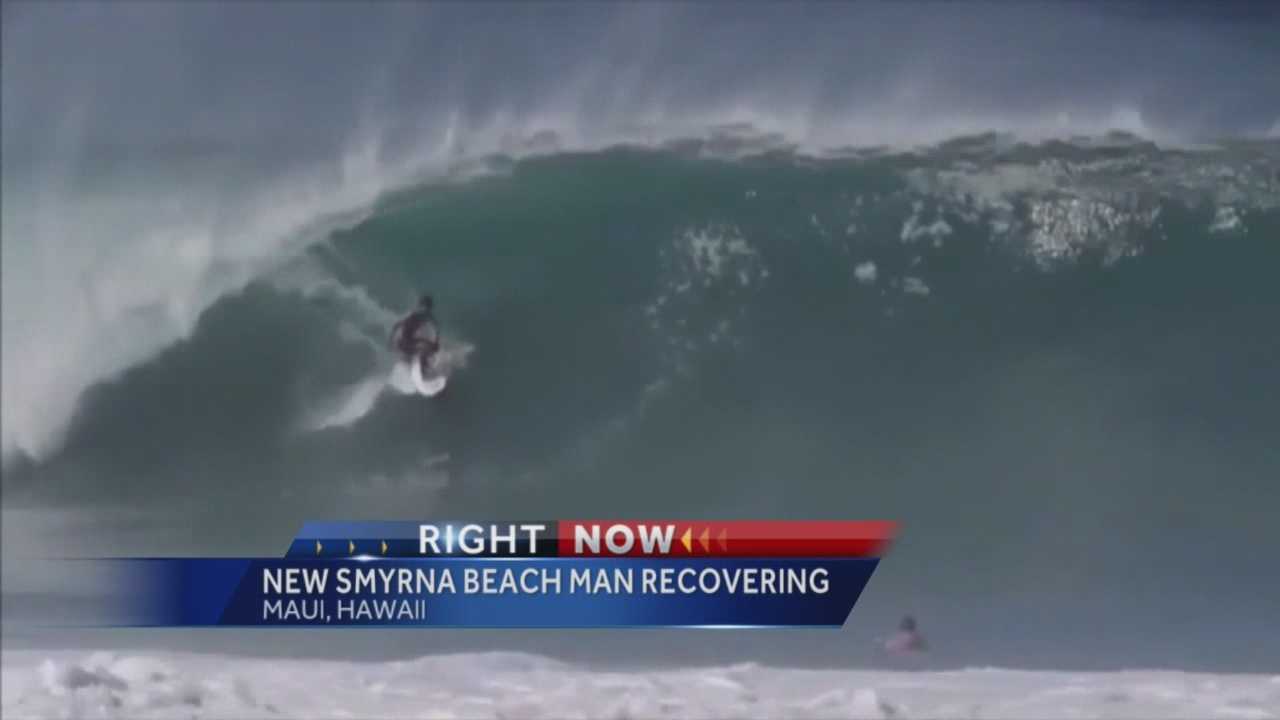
(723, 539)
(702, 539)
(384, 547)
(351, 548)
(319, 547)
(684, 539)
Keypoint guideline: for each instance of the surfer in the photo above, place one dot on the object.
(907, 641)
(416, 335)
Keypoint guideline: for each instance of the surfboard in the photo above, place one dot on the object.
(407, 378)
(428, 386)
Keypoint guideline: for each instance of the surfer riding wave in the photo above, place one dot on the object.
(417, 336)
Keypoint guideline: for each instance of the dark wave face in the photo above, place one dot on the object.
(1004, 273)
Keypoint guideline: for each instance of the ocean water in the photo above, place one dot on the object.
(1033, 319)
(498, 685)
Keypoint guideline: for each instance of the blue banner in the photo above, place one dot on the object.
(495, 592)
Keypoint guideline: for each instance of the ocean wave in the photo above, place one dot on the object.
(1073, 332)
(123, 225)
(499, 685)
(78, 314)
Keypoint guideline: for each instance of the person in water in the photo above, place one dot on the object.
(907, 641)
(416, 336)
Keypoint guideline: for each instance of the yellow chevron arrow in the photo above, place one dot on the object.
(384, 547)
(351, 548)
(723, 539)
(702, 539)
(684, 539)
(319, 547)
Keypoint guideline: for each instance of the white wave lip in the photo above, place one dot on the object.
(497, 685)
(95, 283)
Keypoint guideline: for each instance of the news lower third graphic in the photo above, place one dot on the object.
(548, 574)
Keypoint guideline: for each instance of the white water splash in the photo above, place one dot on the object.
(498, 685)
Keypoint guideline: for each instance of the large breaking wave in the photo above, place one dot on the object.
(143, 181)
(1049, 361)
(886, 289)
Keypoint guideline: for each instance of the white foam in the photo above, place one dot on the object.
(900, 122)
(493, 685)
(713, 258)
(1225, 219)
(351, 403)
(914, 229)
(914, 286)
(712, 250)
(865, 272)
(1056, 211)
(348, 405)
